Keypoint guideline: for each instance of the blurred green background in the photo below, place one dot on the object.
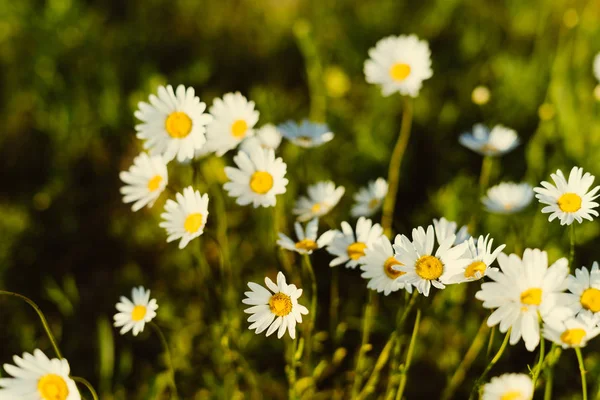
(72, 72)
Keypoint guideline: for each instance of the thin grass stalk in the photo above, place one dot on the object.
(409, 353)
(582, 372)
(489, 367)
(169, 360)
(87, 385)
(359, 369)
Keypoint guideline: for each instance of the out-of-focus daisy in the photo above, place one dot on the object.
(307, 241)
(145, 181)
(399, 64)
(377, 266)
(322, 197)
(522, 290)
(258, 179)
(349, 247)
(36, 377)
(508, 198)
(135, 313)
(186, 217)
(369, 199)
(500, 140)
(306, 134)
(570, 200)
(508, 387)
(267, 137)
(572, 332)
(481, 257)
(597, 66)
(173, 124)
(444, 229)
(234, 120)
(277, 309)
(584, 298)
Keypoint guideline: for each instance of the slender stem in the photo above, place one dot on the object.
(87, 385)
(382, 360)
(292, 370)
(490, 342)
(165, 346)
(409, 353)
(549, 381)
(572, 249)
(489, 367)
(389, 203)
(484, 177)
(42, 318)
(538, 368)
(582, 372)
(366, 330)
(312, 312)
(334, 301)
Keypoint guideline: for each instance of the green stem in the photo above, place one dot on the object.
(490, 342)
(489, 367)
(382, 360)
(409, 353)
(549, 381)
(165, 346)
(572, 249)
(334, 301)
(389, 203)
(538, 368)
(360, 366)
(312, 312)
(87, 385)
(292, 370)
(484, 177)
(582, 372)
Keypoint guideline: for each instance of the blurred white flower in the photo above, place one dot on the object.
(480, 255)
(306, 134)
(500, 140)
(134, 315)
(508, 387)
(186, 217)
(377, 266)
(307, 241)
(349, 246)
(369, 199)
(144, 181)
(597, 66)
(444, 229)
(508, 198)
(322, 197)
(267, 137)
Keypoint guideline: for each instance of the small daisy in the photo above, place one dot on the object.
(267, 137)
(145, 181)
(597, 66)
(508, 198)
(572, 332)
(422, 266)
(523, 290)
(585, 291)
(322, 197)
(348, 247)
(258, 179)
(500, 140)
(399, 64)
(36, 377)
(377, 266)
(480, 257)
(508, 387)
(234, 120)
(369, 199)
(134, 315)
(185, 218)
(307, 241)
(279, 311)
(307, 134)
(569, 200)
(444, 229)
(173, 124)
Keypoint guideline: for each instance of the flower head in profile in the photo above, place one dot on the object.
(322, 197)
(597, 66)
(508, 386)
(308, 240)
(481, 255)
(444, 229)
(276, 309)
(348, 246)
(35, 376)
(258, 178)
(173, 124)
(572, 332)
(508, 198)
(399, 64)
(369, 199)
(584, 288)
(306, 134)
(145, 181)
(570, 200)
(377, 268)
(134, 314)
(267, 137)
(185, 218)
(500, 140)
(523, 290)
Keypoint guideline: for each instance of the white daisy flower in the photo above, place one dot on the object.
(145, 181)
(399, 64)
(508, 198)
(480, 257)
(377, 266)
(572, 332)
(185, 218)
(444, 229)
(569, 200)
(584, 298)
(307, 134)
(348, 247)
(500, 140)
(423, 267)
(234, 120)
(307, 240)
(522, 290)
(173, 124)
(279, 311)
(36, 377)
(322, 197)
(369, 199)
(267, 137)
(258, 179)
(133, 315)
(597, 66)
(508, 387)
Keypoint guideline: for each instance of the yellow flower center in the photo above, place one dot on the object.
(193, 222)
(138, 313)
(373, 203)
(239, 128)
(399, 71)
(488, 148)
(429, 267)
(472, 270)
(356, 250)
(572, 337)
(569, 202)
(532, 297)
(178, 125)
(512, 395)
(52, 387)
(154, 183)
(590, 299)
(508, 206)
(316, 208)
(306, 140)
(307, 244)
(387, 268)
(280, 304)
(261, 182)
